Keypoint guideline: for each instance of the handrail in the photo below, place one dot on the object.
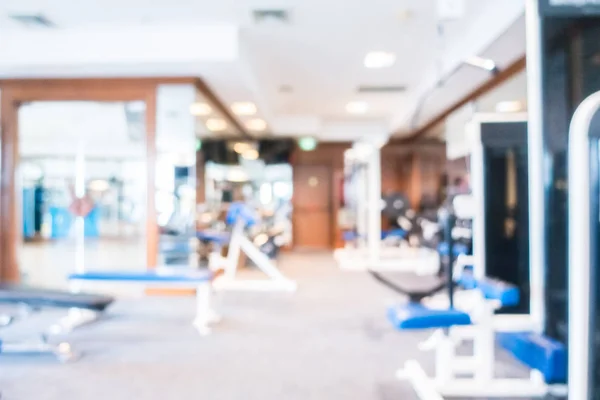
(579, 263)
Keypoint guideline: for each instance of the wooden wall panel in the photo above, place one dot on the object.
(9, 233)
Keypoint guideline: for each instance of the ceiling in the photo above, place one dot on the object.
(301, 73)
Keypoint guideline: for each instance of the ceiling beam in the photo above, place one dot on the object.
(489, 85)
(212, 98)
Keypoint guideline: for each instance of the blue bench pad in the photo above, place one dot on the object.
(459, 249)
(214, 236)
(537, 352)
(493, 289)
(145, 276)
(417, 316)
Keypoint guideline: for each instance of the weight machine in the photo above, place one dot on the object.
(364, 205)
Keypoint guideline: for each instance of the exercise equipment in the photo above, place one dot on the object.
(31, 299)
(470, 315)
(583, 261)
(472, 319)
(500, 190)
(241, 217)
(365, 205)
(161, 277)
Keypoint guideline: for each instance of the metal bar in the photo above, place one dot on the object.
(580, 248)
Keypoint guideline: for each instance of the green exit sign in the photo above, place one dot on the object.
(307, 143)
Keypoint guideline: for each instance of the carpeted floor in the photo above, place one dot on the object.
(328, 341)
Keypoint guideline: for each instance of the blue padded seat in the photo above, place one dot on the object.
(350, 236)
(537, 352)
(145, 276)
(417, 316)
(393, 233)
(214, 236)
(459, 249)
(494, 289)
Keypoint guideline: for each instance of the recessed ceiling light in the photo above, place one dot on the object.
(216, 124)
(509, 106)
(250, 154)
(243, 108)
(357, 107)
(200, 109)
(241, 147)
(256, 124)
(380, 59)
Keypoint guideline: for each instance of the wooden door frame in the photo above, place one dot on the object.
(13, 93)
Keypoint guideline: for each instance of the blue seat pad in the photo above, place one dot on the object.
(494, 289)
(214, 236)
(417, 316)
(175, 275)
(459, 248)
(538, 352)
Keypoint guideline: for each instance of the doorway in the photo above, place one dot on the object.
(312, 207)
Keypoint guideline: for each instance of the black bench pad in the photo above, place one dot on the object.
(36, 297)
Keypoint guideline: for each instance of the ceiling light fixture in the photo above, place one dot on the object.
(357, 107)
(256, 124)
(216, 125)
(509, 106)
(483, 63)
(200, 109)
(250, 154)
(380, 59)
(243, 108)
(241, 147)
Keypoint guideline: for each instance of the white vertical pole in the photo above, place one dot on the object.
(537, 179)
(374, 205)
(233, 253)
(79, 220)
(580, 224)
(360, 186)
(478, 192)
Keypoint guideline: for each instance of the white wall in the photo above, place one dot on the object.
(457, 144)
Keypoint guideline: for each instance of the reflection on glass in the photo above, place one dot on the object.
(264, 184)
(82, 178)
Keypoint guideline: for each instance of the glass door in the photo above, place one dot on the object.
(82, 177)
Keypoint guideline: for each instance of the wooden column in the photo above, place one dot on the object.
(9, 270)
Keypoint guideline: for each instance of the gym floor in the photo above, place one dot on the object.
(330, 340)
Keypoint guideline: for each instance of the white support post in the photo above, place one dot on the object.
(204, 313)
(374, 206)
(478, 193)
(537, 179)
(361, 205)
(233, 252)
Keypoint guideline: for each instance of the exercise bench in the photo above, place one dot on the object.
(32, 299)
(161, 278)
